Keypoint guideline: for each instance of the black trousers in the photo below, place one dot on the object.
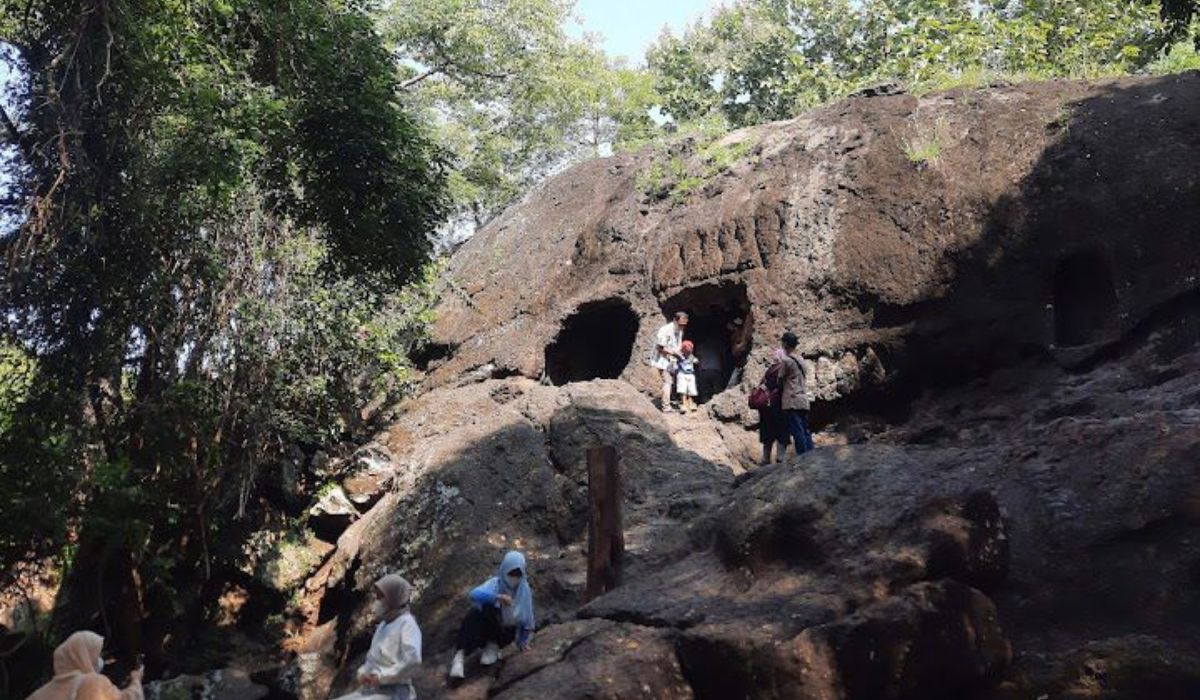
(482, 626)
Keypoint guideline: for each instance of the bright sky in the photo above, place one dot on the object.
(628, 27)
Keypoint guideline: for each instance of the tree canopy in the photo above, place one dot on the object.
(759, 60)
(509, 93)
(215, 203)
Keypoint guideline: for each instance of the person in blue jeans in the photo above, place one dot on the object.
(501, 613)
(794, 395)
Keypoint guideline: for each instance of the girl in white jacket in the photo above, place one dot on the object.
(395, 654)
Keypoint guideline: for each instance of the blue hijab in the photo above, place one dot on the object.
(522, 594)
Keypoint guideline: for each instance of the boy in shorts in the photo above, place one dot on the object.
(685, 377)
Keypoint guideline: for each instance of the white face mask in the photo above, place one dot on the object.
(99, 665)
(378, 608)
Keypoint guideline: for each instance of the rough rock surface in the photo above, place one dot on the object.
(1005, 348)
(226, 684)
(885, 267)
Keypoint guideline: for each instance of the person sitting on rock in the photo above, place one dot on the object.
(501, 612)
(395, 654)
(685, 377)
(77, 666)
(666, 351)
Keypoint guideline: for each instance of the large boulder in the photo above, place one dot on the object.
(225, 684)
(1056, 215)
(1002, 348)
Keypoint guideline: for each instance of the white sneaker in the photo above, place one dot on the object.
(456, 666)
(490, 655)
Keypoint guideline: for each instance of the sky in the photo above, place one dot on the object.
(628, 27)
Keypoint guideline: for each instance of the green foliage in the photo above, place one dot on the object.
(1180, 56)
(509, 95)
(923, 152)
(759, 60)
(924, 147)
(226, 193)
(17, 371)
(690, 167)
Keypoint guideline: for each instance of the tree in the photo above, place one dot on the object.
(509, 94)
(214, 199)
(759, 60)
(1178, 14)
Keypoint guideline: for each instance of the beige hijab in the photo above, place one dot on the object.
(74, 660)
(75, 676)
(396, 594)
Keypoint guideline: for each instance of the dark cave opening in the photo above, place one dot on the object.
(1085, 300)
(595, 342)
(712, 310)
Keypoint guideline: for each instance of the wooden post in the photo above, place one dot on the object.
(606, 534)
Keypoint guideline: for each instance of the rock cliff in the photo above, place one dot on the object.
(998, 295)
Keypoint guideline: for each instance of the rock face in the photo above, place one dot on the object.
(226, 684)
(1003, 343)
(1054, 214)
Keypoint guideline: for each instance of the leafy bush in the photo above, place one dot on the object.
(1180, 57)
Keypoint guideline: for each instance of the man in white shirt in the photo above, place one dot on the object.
(666, 350)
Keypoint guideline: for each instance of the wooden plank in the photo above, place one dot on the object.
(606, 533)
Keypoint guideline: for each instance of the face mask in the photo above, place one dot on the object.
(99, 665)
(378, 608)
(514, 581)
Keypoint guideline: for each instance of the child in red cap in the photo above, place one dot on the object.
(685, 377)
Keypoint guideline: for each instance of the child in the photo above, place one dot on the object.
(395, 654)
(685, 377)
(501, 612)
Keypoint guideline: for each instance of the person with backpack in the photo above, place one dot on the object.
(772, 428)
(794, 395)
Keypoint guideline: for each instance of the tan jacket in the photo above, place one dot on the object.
(794, 397)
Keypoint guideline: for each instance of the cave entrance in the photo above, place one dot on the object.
(1085, 300)
(712, 310)
(595, 342)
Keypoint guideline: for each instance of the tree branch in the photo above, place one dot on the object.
(448, 61)
(417, 79)
(14, 134)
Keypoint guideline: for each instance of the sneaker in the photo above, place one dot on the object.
(456, 666)
(490, 655)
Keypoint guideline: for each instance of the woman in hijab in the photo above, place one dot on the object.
(772, 423)
(501, 612)
(77, 666)
(395, 654)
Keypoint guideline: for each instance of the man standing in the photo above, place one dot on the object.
(666, 350)
(794, 397)
(741, 331)
(711, 352)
